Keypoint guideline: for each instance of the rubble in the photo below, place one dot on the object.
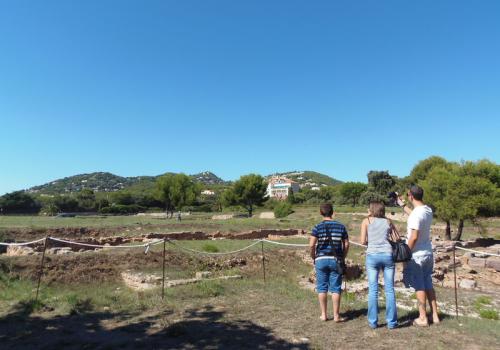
(59, 250)
(14, 250)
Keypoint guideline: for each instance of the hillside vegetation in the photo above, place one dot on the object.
(107, 182)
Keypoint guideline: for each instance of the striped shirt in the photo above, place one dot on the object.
(330, 235)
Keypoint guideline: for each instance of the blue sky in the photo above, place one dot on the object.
(340, 87)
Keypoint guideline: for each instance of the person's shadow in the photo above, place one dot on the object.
(199, 329)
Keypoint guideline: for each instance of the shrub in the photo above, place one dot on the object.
(271, 203)
(282, 209)
(210, 248)
(120, 209)
(200, 208)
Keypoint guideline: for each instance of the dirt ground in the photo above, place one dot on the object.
(243, 314)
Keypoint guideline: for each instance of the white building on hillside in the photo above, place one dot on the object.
(208, 193)
(279, 187)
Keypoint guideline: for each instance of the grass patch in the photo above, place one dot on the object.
(482, 300)
(209, 289)
(481, 305)
(27, 307)
(78, 305)
(489, 314)
(210, 248)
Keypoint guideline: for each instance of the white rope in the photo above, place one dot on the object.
(304, 245)
(358, 244)
(476, 251)
(285, 244)
(144, 245)
(22, 244)
(209, 253)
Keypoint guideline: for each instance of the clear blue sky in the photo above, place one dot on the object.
(340, 87)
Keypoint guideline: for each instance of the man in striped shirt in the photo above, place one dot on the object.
(329, 244)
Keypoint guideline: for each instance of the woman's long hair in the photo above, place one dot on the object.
(377, 209)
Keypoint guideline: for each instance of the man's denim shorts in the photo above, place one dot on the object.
(417, 272)
(327, 277)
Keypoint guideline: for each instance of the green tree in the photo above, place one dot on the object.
(437, 187)
(381, 182)
(122, 198)
(291, 196)
(370, 195)
(249, 191)
(299, 197)
(459, 194)
(329, 193)
(18, 202)
(49, 207)
(310, 195)
(422, 168)
(176, 191)
(86, 199)
(66, 203)
(351, 191)
(101, 203)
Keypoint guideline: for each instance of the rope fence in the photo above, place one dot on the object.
(213, 253)
(46, 242)
(21, 244)
(476, 251)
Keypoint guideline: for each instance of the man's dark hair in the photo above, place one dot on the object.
(326, 209)
(417, 192)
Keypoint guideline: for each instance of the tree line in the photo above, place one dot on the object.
(456, 191)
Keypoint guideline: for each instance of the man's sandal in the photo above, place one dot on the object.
(417, 322)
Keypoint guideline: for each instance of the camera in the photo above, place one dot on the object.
(392, 196)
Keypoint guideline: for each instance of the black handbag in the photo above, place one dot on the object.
(400, 250)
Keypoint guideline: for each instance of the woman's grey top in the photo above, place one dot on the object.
(379, 231)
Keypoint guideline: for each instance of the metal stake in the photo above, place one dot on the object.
(455, 277)
(40, 271)
(163, 282)
(263, 261)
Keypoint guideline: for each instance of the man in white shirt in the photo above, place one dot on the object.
(418, 271)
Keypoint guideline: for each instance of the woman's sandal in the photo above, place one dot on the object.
(340, 320)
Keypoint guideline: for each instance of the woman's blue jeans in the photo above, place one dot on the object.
(374, 263)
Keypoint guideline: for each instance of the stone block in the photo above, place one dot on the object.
(477, 263)
(467, 284)
(493, 263)
(203, 274)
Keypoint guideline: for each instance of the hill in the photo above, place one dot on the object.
(107, 182)
(309, 178)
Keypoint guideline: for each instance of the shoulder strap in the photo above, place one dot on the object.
(394, 235)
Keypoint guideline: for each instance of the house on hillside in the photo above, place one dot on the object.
(208, 193)
(279, 187)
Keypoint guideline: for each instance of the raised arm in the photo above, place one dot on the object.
(402, 203)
